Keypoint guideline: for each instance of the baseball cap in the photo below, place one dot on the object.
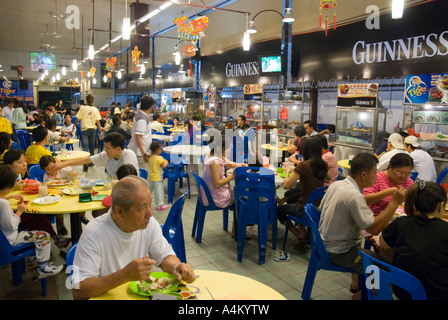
(412, 140)
(396, 140)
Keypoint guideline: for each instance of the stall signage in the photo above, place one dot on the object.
(253, 91)
(432, 88)
(11, 89)
(358, 94)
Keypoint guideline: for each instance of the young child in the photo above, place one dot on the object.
(54, 138)
(47, 163)
(156, 164)
(124, 171)
(9, 223)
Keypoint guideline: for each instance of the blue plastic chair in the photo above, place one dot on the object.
(69, 258)
(386, 275)
(313, 197)
(173, 229)
(255, 203)
(14, 145)
(15, 255)
(36, 173)
(25, 139)
(414, 175)
(442, 175)
(340, 172)
(319, 259)
(143, 173)
(201, 209)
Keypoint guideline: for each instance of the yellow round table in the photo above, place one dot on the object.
(72, 141)
(68, 204)
(277, 148)
(70, 155)
(33, 127)
(176, 130)
(344, 164)
(210, 285)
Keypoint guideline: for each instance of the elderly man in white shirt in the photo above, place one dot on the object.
(394, 145)
(423, 162)
(124, 244)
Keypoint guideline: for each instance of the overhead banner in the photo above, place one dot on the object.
(426, 88)
(358, 95)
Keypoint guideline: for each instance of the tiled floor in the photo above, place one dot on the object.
(216, 252)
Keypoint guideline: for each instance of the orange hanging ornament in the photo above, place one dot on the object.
(92, 72)
(135, 57)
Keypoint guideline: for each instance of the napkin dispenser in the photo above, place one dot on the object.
(85, 197)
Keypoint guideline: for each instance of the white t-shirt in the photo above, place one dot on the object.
(344, 214)
(9, 222)
(424, 165)
(156, 125)
(104, 249)
(64, 173)
(385, 159)
(141, 126)
(112, 165)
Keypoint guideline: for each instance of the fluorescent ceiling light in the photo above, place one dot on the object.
(149, 15)
(165, 5)
(126, 31)
(397, 9)
(116, 38)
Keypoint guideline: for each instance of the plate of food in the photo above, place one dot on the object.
(58, 182)
(158, 282)
(47, 200)
(71, 191)
(435, 95)
(443, 83)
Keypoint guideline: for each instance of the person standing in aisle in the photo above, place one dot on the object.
(90, 120)
(141, 131)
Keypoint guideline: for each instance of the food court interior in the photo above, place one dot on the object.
(351, 67)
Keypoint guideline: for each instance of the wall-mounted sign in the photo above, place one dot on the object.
(359, 95)
(13, 90)
(253, 91)
(432, 88)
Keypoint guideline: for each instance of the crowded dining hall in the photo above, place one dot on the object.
(223, 150)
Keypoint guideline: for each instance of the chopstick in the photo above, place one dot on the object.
(209, 293)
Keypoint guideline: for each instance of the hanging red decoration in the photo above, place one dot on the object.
(189, 50)
(324, 6)
(19, 70)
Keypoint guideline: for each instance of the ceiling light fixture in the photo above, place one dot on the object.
(159, 74)
(287, 18)
(119, 74)
(75, 65)
(181, 69)
(397, 9)
(126, 31)
(246, 41)
(64, 70)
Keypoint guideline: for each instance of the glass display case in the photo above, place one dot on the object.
(429, 122)
(286, 115)
(213, 113)
(360, 128)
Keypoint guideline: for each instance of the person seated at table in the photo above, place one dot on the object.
(309, 127)
(9, 224)
(240, 121)
(330, 160)
(37, 150)
(345, 214)
(156, 164)
(126, 123)
(176, 124)
(5, 125)
(417, 243)
(311, 173)
(15, 158)
(198, 124)
(156, 125)
(394, 145)
(388, 181)
(124, 171)
(189, 129)
(113, 156)
(116, 127)
(48, 163)
(69, 128)
(423, 162)
(55, 115)
(5, 143)
(294, 144)
(54, 138)
(124, 244)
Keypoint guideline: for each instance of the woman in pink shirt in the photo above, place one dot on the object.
(330, 160)
(387, 182)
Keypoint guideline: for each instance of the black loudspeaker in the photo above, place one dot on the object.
(23, 84)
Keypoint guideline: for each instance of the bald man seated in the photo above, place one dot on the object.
(123, 244)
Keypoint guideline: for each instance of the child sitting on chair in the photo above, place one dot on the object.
(9, 223)
(156, 164)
